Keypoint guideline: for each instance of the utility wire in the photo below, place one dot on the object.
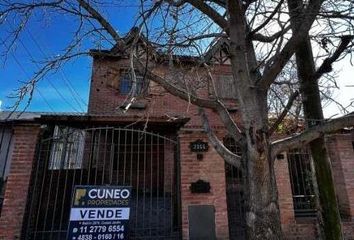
(75, 94)
(50, 83)
(44, 99)
(27, 75)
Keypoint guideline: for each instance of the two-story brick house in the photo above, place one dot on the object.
(176, 189)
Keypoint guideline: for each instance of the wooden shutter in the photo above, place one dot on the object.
(225, 87)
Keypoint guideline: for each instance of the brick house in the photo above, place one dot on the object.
(175, 189)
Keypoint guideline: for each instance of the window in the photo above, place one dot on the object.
(67, 148)
(126, 83)
(236, 206)
(225, 87)
(6, 148)
(6, 145)
(231, 171)
(302, 183)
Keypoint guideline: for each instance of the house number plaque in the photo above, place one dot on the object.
(199, 146)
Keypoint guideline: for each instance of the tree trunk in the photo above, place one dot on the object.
(261, 196)
(262, 209)
(330, 222)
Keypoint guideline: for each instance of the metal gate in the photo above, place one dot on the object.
(235, 195)
(105, 156)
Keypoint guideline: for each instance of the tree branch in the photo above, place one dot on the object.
(280, 60)
(312, 133)
(175, 90)
(210, 12)
(261, 38)
(284, 112)
(326, 66)
(267, 20)
(224, 114)
(101, 20)
(226, 154)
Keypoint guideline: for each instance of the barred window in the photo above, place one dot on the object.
(236, 209)
(126, 83)
(299, 161)
(234, 147)
(67, 148)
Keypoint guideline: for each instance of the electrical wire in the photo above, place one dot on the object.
(27, 75)
(75, 94)
(50, 83)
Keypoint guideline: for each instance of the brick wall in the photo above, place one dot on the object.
(348, 230)
(25, 139)
(338, 177)
(210, 169)
(300, 231)
(105, 96)
(342, 157)
(284, 191)
(341, 153)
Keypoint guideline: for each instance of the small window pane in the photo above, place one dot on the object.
(125, 84)
(67, 148)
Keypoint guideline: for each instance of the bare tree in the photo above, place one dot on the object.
(259, 41)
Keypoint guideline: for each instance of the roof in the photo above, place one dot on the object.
(17, 116)
(84, 118)
(6, 116)
(117, 51)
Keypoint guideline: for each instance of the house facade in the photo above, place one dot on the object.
(181, 187)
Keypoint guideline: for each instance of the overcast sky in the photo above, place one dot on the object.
(345, 93)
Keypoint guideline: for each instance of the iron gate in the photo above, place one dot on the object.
(105, 156)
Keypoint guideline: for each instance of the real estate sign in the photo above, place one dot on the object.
(99, 213)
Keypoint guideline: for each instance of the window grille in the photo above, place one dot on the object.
(126, 83)
(302, 183)
(67, 148)
(235, 194)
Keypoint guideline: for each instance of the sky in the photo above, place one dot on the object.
(67, 89)
(345, 92)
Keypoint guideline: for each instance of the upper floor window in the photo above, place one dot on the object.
(225, 87)
(126, 84)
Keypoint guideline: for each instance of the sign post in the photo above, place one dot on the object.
(99, 213)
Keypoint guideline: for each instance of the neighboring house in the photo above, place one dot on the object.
(5, 158)
(177, 190)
